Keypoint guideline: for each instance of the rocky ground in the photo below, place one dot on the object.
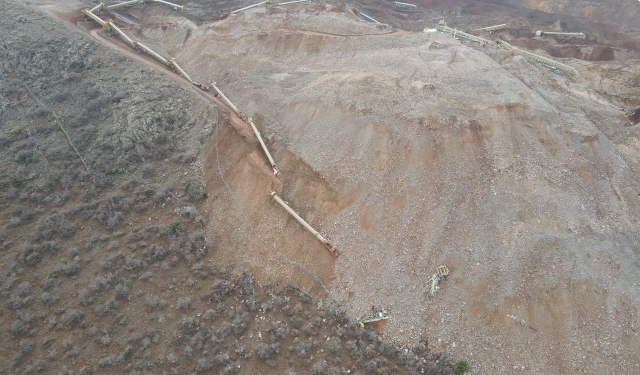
(408, 150)
(105, 263)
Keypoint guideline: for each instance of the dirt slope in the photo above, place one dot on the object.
(414, 151)
(411, 151)
(105, 265)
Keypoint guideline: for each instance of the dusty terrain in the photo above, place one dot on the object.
(106, 266)
(409, 150)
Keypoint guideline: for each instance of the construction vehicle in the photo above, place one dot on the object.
(332, 249)
(491, 29)
(378, 315)
(561, 35)
(432, 284)
(442, 26)
(558, 67)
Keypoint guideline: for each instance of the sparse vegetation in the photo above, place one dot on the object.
(128, 353)
(98, 247)
(184, 303)
(462, 367)
(174, 226)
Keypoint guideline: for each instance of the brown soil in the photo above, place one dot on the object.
(411, 150)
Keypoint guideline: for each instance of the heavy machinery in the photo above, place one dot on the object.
(560, 34)
(442, 26)
(558, 67)
(332, 249)
(375, 317)
(432, 284)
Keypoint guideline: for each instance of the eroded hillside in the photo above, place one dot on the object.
(409, 150)
(106, 263)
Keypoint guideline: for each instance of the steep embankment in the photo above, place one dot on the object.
(416, 151)
(108, 269)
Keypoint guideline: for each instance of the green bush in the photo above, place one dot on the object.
(110, 172)
(186, 188)
(128, 353)
(150, 192)
(205, 195)
(15, 182)
(173, 227)
(462, 367)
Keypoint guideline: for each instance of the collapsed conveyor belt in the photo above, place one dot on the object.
(253, 127)
(112, 28)
(541, 59)
(334, 250)
(442, 26)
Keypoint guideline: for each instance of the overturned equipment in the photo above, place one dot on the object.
(432, 285)
(375, 317)
(332, 249)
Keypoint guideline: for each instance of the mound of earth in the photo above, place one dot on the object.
(412, 151)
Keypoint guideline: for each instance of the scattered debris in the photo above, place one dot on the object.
(376, 316)
(441, 273)
(521, 321)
